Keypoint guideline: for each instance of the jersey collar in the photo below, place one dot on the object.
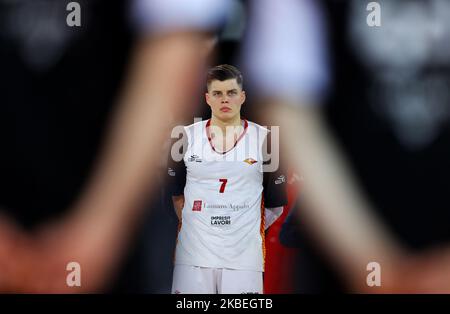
(208, 135)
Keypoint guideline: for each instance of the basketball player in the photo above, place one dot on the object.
(223, 196)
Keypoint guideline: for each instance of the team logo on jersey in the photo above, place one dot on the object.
(280, 179)
(171, 172)
(197, 207)
(237, 207)
(195, 158)
(250, 161)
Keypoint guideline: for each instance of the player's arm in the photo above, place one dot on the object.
(176, 172)
(104, 216)
(335, 209)
(271, 215)
(274, 183)
(178, 204)
(161, 84)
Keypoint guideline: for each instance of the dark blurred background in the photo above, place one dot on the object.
(388, 106)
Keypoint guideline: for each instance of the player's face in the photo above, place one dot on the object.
(225, 99)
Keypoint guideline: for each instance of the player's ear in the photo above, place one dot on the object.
(243, 97)
(207, 98)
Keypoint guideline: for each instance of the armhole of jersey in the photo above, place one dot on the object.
(187, 131)
(262, 231)
(263, 149)
(180, 223)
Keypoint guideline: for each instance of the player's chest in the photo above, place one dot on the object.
(243, 161)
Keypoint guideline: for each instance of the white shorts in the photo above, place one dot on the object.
(203, 280)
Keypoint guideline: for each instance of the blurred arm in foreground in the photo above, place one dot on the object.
(164, 73)
(289, 72)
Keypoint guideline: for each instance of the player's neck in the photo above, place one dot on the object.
(236, 121)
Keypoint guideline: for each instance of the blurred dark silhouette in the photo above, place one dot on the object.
(85, 111)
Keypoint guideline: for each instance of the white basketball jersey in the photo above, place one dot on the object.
(222, 219)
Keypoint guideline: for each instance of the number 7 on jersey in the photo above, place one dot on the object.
(222, 186)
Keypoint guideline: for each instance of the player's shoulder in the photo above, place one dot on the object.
(195, 131)
(252, 126)
(195, 125)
